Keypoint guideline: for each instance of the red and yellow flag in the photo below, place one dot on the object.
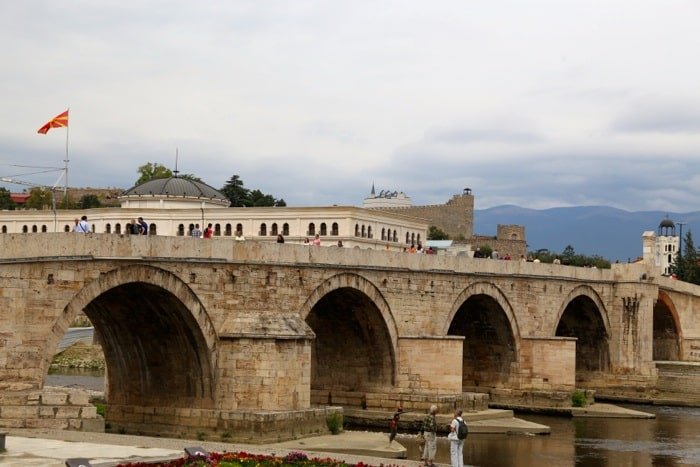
(59, 121)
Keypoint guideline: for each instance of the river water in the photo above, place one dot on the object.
(671, 439)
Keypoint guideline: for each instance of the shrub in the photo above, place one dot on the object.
(101, 409)
(578, 398)
(335, 422)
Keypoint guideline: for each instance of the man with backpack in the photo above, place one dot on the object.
(458, 433)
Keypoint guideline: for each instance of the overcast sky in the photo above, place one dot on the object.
(535, 103)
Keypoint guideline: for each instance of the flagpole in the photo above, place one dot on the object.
(65, 161)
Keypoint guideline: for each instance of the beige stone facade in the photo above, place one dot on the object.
(353, 226)
(221, 336)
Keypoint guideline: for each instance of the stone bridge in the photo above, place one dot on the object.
(213, 336)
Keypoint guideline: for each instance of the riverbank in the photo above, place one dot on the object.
(52, 447)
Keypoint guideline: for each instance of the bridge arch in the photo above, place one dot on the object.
(158, 340)
(667, 332)
(484, 316)
(583, 315)
(356, 337)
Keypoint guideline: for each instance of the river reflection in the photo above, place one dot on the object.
(672, 439)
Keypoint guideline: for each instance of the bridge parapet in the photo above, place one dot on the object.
(35, 246)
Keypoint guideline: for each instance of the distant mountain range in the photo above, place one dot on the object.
(612, 233)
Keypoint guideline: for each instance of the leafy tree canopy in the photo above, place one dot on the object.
(89, 201)
(685, 266)
(436, 233)
(5, 200)
(571, 258)
(39, 198)
(152, 171)
(241, 196)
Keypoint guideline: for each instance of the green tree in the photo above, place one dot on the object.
(236, 192)
(568, 254)
(39, 198)
(152, 171)
(89, 201)
(258, 198)
(66, 202)
(486, 251)
(6, 200)
(192, 177)
(686, 265)
(435, 233)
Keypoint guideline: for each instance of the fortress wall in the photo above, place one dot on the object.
(515, 248)
(456, 217)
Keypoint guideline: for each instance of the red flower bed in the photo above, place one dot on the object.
(245, 459)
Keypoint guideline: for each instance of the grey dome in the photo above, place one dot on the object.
(667, 223)
(175, 187)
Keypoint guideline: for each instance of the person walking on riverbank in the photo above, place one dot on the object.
(429, 432)
(456, 443)
(394, 424)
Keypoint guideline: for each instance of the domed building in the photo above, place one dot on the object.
(660, 248)
(173, 193)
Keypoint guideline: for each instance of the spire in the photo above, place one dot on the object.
(372, 192)
(175, 172)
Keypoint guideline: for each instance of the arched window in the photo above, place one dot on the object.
(217, 230)
(413, 238)
(418, 238)
(4, 229)
(334, 228)
(312, 229)
(369, 231)
(513, 236)
(44, 229)
(117, 228)
(263, 230)
(357, 230)
(108, 228)
(383, 233)
(181, 230)
(407, 237)
(239, 228)
(396, 236)
(285, 229)
(152, 230)
(190, 229)
(66, 228)
(227, 232)
(273, 229)
(323, 231)
(34, 229)
(364, 231)
(25, 229)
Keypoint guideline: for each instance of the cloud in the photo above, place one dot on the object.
(657, 116)
(471, 135)
(313, 101)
